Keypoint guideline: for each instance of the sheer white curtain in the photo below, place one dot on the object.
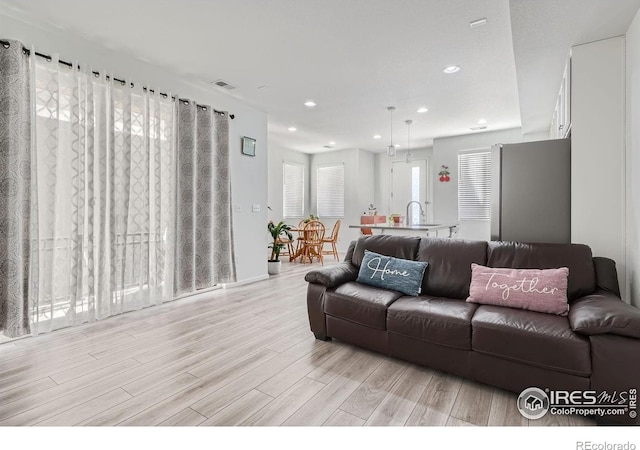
(106, 193)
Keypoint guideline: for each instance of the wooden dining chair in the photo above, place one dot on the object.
(333, 240)
(312, 236)
(297, 246)
(288, 243)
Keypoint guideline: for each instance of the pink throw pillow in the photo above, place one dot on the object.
(542, 290)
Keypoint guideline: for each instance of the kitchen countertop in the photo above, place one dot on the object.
(400, 226)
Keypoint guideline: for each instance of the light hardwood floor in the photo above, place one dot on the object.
(242, 356)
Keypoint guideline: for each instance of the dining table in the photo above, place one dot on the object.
(302, 238)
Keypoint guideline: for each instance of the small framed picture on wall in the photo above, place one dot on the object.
(248, 146)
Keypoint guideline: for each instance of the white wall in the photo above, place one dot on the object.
(248, 174)
(633, 160)
(358, 189)
(383, 179)
(445, 194)
(598, 150)
(366, 180)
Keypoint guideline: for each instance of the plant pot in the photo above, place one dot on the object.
(273, 267)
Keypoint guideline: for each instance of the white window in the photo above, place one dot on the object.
(474, 186)
(331, 191)
(292, 190)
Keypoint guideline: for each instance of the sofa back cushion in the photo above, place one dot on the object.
(403, 247)
(576, 257)
(449, 271)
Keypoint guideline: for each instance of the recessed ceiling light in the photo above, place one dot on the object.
(332, 143)
(422, 109)
(451, 69)
(478, 23)
(292, 129)
(309, 103)
(376, 136)
(482, 121)
(396, 145)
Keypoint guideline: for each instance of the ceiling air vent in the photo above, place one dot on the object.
(224, 85)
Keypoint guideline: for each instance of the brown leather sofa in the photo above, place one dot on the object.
(596, 347)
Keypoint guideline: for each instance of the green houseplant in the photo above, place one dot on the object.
(310, 218)
(277, 231)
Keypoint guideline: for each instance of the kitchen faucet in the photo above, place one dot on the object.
(410, 221)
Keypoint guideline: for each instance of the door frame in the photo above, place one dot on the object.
(428, 181)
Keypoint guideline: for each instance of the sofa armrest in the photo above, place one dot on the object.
(332, 276)
(349, 255)
(602, 312)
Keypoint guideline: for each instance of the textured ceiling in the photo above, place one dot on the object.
(354, 58)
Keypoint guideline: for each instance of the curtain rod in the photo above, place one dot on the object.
(123, 82)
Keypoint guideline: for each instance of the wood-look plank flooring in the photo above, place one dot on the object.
(241, 356)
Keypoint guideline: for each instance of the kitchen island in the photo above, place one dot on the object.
(428, 229)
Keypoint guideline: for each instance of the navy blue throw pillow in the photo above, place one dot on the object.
(392, 273)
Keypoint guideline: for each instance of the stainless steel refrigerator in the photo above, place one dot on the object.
(531, 191)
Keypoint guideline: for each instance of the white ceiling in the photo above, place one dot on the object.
(355, 57)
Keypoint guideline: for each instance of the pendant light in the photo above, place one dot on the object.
(391, 149)
(409, 156)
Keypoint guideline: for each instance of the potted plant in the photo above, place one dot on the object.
(395, 219)
(372, 210)
(310, 218)
(276, 231)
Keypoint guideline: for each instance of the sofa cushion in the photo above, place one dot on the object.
(403, 247)
(449, 271)
(529, 337)
(360, 303)
(542, 290)
(387, 272)
(576, 257)
(437, 320)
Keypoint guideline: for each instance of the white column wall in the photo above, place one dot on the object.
(598, 150)
(633, 161)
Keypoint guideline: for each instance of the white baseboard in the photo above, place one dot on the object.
(243, 282)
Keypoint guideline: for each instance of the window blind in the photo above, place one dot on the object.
(474, 186)
(330, 192)
(292, 190)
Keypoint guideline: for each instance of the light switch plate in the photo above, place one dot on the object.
(237, 208)
(255, 207)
